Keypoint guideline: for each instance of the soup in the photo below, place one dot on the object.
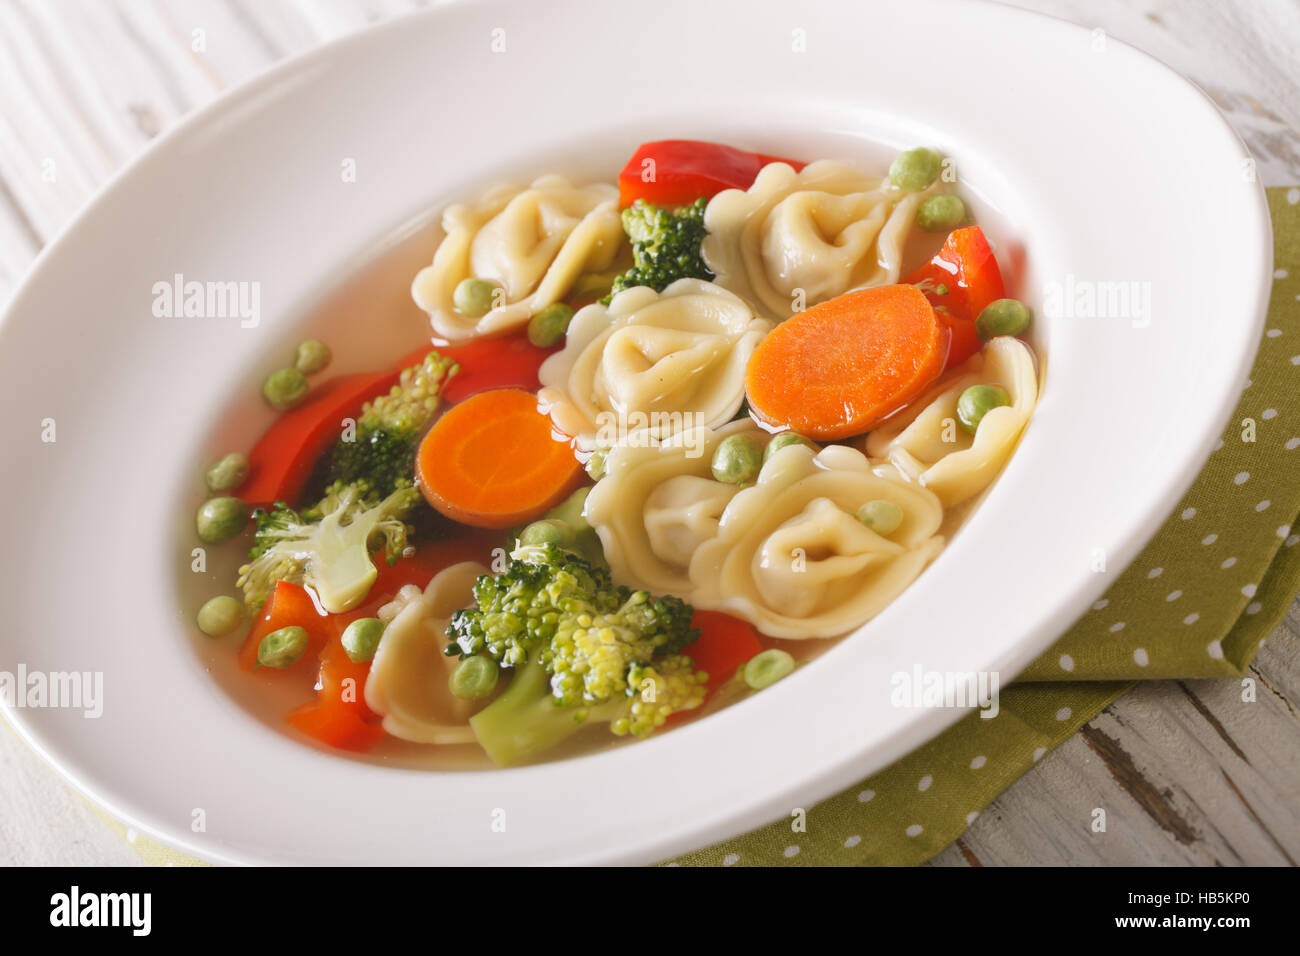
(670, 437)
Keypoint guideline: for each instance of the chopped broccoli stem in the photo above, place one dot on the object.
(329, 545)
(525, 719)
(665, 246)
(581, 649)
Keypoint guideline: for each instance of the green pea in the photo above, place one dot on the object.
(785, 440)
(881, 516)
(476, 677)
(915, 169)
(737, 460)
(941, 213)
(976, 402)
(220, 615)
(474, 297)
(228, 473)
(545, 532)
(1003, 317)
(220, 519)
(596, 464)
(361, 637)
(549, 325)
(282, 648)
(284, 388)
(313, 355)
(766, 668)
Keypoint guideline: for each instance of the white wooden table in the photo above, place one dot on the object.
(1186, 772)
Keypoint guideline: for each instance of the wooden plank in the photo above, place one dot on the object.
(1188, 772)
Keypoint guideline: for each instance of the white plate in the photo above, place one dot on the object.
(1089, 160)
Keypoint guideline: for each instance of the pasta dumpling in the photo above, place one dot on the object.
(655, 363)
(657, 503)
(925, 442)
(791, 557)
(409, 674)
(532, 243)
(797, 239)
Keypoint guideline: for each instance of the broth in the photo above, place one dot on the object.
(391, 325)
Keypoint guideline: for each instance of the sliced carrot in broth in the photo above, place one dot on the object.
(493, 461)
(844, 366)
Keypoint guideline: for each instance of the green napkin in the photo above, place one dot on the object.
(1213, 582)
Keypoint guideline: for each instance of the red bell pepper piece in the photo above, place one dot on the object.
(336, 725)
(684, 170)
(283, 458)
(508, 361)
(960, 281)
(287, 453)
(339, 716)
(290, 605)
(340, 681)
(725, 644)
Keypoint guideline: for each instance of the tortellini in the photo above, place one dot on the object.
(408, 683)
(533, 243)
(651, 364)
(791, 556)
(925, 442)
(793, 240)
(657, 503)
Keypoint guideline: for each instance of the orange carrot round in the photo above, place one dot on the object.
(843, 366)
(492, 461)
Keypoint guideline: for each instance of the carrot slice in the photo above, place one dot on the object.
(845, 365)
(492, 461)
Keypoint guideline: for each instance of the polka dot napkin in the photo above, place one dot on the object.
(1214, 581)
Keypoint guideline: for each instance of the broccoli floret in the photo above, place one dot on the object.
(520, 609)
(271, 525)
(526, 720)
(665, 246)
(593, 655)
(376, 455)
(382, 451)
(328, 546)
(581, 649)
